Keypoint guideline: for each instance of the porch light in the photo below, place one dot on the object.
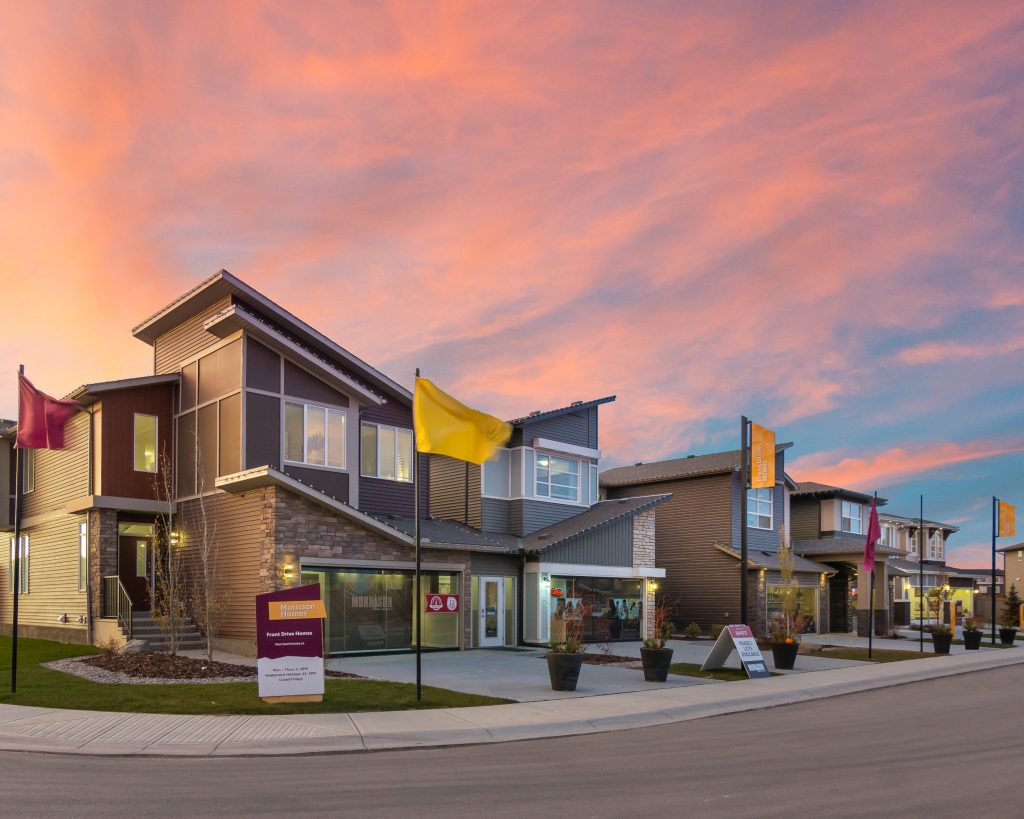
(289, 572)
(652, 585)
(176, 538)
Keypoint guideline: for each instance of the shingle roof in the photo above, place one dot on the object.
(841, 544)
(813, 488)
(914, 521)
(574, 407)
(455, 535)
(598, 515)
(689, 467)
(768, 559)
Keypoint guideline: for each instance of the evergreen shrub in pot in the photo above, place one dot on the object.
(942, 638)
(972, 634)
(565, 658)
(1010, 618)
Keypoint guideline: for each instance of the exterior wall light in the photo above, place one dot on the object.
(652, 585)
(289, 571)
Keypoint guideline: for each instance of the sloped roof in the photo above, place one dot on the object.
(89, 393)
(598, 515)
(768, 559)
(1012, 548)
(449, 533)
(823, 490)
(841, 544)
(689, 467)
(576, 406)
(887, 516)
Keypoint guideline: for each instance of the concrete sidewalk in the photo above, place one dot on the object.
(92, 732)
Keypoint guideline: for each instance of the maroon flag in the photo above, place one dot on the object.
(874, 535)
(41, 418)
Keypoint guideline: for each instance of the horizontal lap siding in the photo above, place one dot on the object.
(383, 497)
(496, 515)
(701, 581)
(578, 428)
(240, 524)
(186, 340)
(530, 515)
(448, 490)
(498, 565)
(61, 474)
(805, 517)
(53, 576)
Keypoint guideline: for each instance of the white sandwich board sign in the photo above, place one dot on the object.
(741, 640)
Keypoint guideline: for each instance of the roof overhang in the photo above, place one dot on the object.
(268, 476)
(140, 505)
(90, 393)
(234, 318)
(588, 570)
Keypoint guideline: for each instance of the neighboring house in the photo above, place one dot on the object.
(955, 585)
(829, 525)
(563, 547)
(698, 538)
(299, 454)
(1013, 566)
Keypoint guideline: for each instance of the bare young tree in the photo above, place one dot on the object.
(209, 602)
(168, 605)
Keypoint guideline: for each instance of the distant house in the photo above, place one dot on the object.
(698, 538)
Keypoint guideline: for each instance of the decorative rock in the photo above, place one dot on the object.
(135, 647)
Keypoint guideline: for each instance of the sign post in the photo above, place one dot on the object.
(741, 640)
(290, 644)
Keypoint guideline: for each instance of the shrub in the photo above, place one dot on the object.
(716, 630)
(111, 647)
(693, 631)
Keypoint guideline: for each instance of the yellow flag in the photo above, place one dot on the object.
(445, 426)
(1007, 519)
(762, 457)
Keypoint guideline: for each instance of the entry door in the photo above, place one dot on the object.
(492, 611)
(133, 566)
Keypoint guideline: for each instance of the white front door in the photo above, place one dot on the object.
(492, 611)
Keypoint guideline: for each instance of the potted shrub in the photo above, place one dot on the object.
(565, 657)
(941, 638)
(1011, 615)
(784, 629)
(655, 657)
(972, 634)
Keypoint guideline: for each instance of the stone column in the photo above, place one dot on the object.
(643, 557)
(102, 555)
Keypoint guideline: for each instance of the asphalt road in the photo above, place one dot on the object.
(946, 747)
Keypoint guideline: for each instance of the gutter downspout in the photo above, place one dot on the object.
(88, 533)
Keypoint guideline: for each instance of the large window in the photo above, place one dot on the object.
(314, 435)
(83, 555)
(558, 478)
(145, 442)
(609, 608)
(852, 515)
(805, 601)
(386, 452)
(23, 569)
(759, 508)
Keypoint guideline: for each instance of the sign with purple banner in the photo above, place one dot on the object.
(290, 644)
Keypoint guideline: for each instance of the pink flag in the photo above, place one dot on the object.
(41, 418)
(874, 535)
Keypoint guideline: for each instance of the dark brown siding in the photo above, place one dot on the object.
(805, 518)
(378, 497)
(117, 474)
(300, 384)
(186, 340)
(448, 490)
(262, 431)
(262, 367)
(701, 580)
(330, 483)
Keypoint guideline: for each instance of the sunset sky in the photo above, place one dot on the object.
(809, 213)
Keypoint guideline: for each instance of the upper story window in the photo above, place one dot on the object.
(890, 535)
(28, 474)
(314, 435)
(557, 478)
(912, 543)
(935, 546)
(759, 508)
(852, 518)
(145, 442)
(386, 452)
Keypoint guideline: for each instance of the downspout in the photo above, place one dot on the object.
(88, 532)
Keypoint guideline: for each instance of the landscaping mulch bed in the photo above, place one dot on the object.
(156, 666)
(609, 659)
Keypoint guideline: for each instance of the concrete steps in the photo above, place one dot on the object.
(145, 629)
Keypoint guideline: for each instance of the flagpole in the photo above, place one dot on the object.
(920, 574)
(17, 549)
(995, 525)
(871, 593)
(743, 519)
(416, 525)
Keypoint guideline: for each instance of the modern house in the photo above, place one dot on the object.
(294, 456)
(1013, 566)
(698, 538)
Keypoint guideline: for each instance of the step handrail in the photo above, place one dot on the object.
(117, 604)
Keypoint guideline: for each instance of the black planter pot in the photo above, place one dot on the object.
(972, 640)
(656, 662)
(784, 655)
(941, 642)
(1006, 636)
(564, 670)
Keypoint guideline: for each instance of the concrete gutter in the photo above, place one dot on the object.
(54, 730)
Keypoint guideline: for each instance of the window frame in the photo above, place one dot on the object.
(83, 555)
(135, 442)
(24, 553)
(859, 518)
(327, 409)
(377, 436)
(755, 496)
(538, 454)
(28, 472)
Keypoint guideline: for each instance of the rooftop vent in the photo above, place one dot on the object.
(691, 456)
(639, 463)
(576, 404)
(535, 412)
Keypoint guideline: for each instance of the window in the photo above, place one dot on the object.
(28, 475)
(759, 508)
(890, 535)
(557, 478)
(386, 452)
(23, 569)
(852, 518)
(595, 485)
(935, 546)
(314, 435)
(145, 442)
(83, 555)
(912, 542)
(140, 558)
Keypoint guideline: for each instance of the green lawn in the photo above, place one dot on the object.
(54, 689)
(878, 655)
(693, 670)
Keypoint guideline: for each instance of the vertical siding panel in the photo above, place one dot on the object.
(186, 340)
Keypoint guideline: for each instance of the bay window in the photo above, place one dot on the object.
(386, 452)
(314, 435)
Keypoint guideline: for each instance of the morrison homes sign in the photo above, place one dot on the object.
(290, 644)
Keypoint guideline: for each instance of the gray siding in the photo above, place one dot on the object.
(448, 491)
(761, 538)
(530, 515)
(498, 565)
(611, 545)
(380, 497)
(262, 431)
(496, 516)
(330, 483)
(186, 340)
(579, 428)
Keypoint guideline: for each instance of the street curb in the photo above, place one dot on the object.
(97, 733)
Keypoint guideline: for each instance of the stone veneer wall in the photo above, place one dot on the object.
(643, 557)
(757, 599)
(102, 554)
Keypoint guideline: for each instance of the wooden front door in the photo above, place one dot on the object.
(838, 590)
(134, 565)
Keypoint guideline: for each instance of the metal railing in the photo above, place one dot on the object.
(116, 603)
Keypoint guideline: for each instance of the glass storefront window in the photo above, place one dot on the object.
(611, 608)
(806, 605)
(371, 609)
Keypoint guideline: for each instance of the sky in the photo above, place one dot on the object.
(808, 213)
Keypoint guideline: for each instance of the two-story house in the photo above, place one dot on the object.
(698, 538)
